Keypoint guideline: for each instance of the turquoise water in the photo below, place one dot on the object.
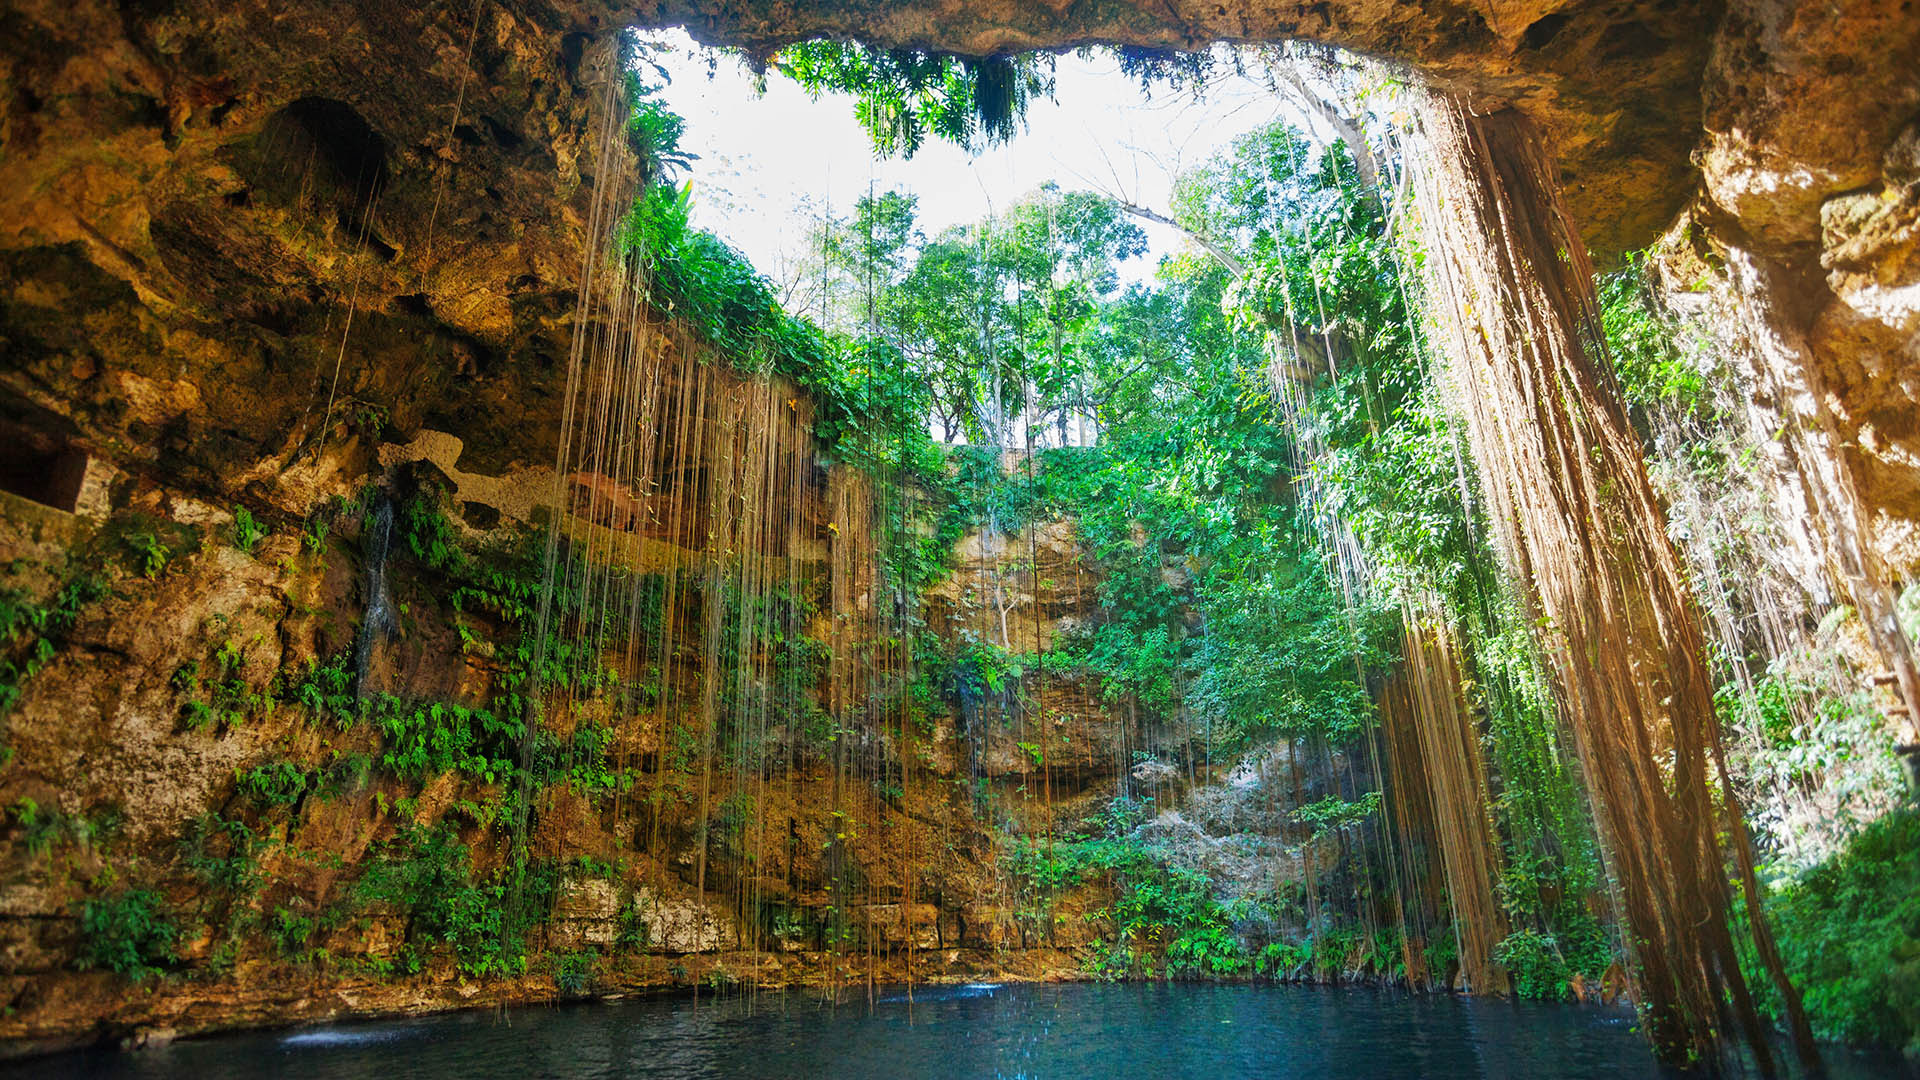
(1072, 1031)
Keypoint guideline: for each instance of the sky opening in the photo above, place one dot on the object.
(772, 163)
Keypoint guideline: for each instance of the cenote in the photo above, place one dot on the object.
(976, 1031)
(1207, 539)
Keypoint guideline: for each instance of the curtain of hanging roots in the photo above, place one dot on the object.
(1579, 526)
(684, 551)
(1429, 697)
(1409, 807)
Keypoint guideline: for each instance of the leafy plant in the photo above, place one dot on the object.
(313, 534)
(247, 533)
(1652, 369)
(127, 933)
(427, 873)
(32, 634)
(38, 828)
(425, 739)
(291, 933)
(277, 783)
(902, 95)
(574, 973)
(1334, 812)
(231, 699)
(221, 853)
(1534, 962)
(1849, 932)
(634, 934)
(326, 691)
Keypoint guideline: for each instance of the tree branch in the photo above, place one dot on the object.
(1213, 247)
(1343, 126)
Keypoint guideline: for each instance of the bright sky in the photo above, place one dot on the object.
(771, 163)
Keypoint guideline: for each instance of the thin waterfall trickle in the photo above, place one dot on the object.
(377, 625)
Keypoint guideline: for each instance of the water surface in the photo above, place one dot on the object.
(1137, 1031)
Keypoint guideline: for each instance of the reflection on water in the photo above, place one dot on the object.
(976, 1030)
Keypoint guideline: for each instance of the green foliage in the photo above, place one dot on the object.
(1166, 919)
(137, 543)
(429, 536)
(1807, 719)
(574, 973)
(313, 534)
(425, 739)
(1651, 368)
(1543, 966)
(857, 386)
(428, 873)
(653, 131)
(1283, 959)
(1442, 951)
(1849, 932)
(290, 933)
(276, 783)
(32, 634)
(976, 670)
(903, 95)
(1334, 812)
(221, 852)
(230, 699)
(1323, 289)
(39, 828)
(326, 691)
(1282, 658)
(247, 533)
(150, 554)
(633, 934)
(581, 761)
(1334, 947)
(127, 933)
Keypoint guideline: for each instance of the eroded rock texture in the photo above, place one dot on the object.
(1808, 166)
(197, 199)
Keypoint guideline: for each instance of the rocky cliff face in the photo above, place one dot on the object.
(318, 816)
(238, 240)
(217, 771)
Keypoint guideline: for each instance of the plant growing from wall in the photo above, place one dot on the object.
(31, 634)
(128, 933)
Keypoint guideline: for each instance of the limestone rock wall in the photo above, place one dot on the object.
(237, 241)
(1808, 210)
(193, 733)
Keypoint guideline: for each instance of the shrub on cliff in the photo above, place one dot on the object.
(1849, 931)
(127, 933)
